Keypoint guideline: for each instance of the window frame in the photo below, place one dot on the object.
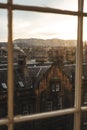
(77, 109)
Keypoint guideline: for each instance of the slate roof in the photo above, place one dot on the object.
(38, 71)
(3, 79)
(68, 69)
(19, 80)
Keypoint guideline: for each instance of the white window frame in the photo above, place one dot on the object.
(11, 119)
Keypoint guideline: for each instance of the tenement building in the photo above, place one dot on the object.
(37, 89)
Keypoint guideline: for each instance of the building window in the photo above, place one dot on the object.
(53, 87)
(21, 84)
(57, 87)
(4, 85)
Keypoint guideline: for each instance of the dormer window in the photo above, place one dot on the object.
(31, 86)
(57, 87)
(21, 84)
(53, 87)
(4, 85)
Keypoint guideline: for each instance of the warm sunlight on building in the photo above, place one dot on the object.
(43, 65)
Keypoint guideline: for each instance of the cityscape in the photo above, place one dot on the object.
(44, 81)
(43, 65)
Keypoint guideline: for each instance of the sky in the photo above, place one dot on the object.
(42, 25)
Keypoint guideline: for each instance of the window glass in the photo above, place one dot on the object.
(3, 127)
(62, 4)
(85, 5)
(44, 65)
(44, 50)
(3, 64)
(84, 74)
(83, 120)
(46, 26)
(3, 1)
(3, 25)
(84, 29)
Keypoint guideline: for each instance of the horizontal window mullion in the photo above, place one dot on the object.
(44, 115)
(40, 9)
(4, 6)
(84, 108)
(43, 9)
(41, 115)
(4, 121)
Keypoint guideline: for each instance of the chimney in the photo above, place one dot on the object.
(22, 65)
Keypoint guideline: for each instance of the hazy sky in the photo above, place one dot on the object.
(66, 4)
(42, 25)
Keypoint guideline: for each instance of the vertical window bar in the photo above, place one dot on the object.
(10, 67)
(78, 82)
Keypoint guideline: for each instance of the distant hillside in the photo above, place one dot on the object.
(41, 42)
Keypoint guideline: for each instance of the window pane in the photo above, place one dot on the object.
(3, 1)
(4, 127)
(56, 123)
(3, 25)
(46, 26)
(61, 4)
(84, 121)
(85, 5)
(44, 73)
(3, 64)
(84, 76)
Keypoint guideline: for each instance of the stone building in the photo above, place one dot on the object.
(37, 89)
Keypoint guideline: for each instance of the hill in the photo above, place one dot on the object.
(42, 42)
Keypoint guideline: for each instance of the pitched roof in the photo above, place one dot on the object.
(68, 69)
(20, 81)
